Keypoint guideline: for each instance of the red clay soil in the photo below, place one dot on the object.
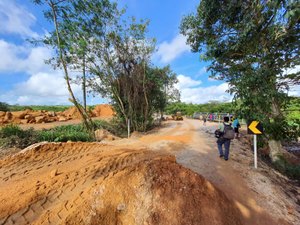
(41, 116)
(103, 110)
(72, 112)
(92, 183)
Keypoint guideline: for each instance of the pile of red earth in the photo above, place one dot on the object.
(43, 116)
(92, 183)
(103, 111)
(30, 116)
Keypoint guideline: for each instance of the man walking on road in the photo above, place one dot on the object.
(236, 126)
(227, 134)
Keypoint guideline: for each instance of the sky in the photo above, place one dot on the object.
(25, 79)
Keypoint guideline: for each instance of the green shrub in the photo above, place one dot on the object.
(114, 126)
(11, 130)
(65, 133)
(14, 136)
(4, 107)
(55, 108)
(292, 171)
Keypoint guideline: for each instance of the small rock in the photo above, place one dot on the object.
(62, 118)
(100, 134)
(121, 207)
(54, 173)
(51, 113)
(39, 119)
(24, 121)
(29, 117)
(290, 210)
(8, 116)
(19, 114)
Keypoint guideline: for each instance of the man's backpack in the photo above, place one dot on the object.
(218, 133)
(228, 132)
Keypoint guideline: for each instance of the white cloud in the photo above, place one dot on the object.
(15, 19)
(294, 90)
(15, 58)
(167, 52)
(41, 89)
(192, 93)
(186, 82)
(211, 79)
(296, 69)
(202, 71)
(44, 85)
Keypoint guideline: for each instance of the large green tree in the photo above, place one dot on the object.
(77, 24)
(250, 44)
(123, 73)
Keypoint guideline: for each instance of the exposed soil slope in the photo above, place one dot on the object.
(136, 181)
(96, 184)
(26, 117)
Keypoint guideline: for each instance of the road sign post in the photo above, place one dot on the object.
(128, 128)
(255, 150)
(255, 128)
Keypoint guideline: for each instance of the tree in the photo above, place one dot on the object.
(4, 107)
(250, 45)
(76, 23)
(163, 92)
(123, 73)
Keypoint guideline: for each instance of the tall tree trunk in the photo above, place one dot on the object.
(275, 146)
(84, 83)
(85, 117)
(146, 101)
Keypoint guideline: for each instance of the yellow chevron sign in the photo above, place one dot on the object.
(255, 127)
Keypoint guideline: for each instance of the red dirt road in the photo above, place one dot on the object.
(136, 181)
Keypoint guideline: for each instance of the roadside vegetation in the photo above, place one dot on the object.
(54, 108)
(13, 136)
(112, 52)
(252, 46)
(291, 112)
(189, 109)
(292, 130)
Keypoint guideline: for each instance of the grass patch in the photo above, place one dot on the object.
(113, 126)
(55, 108)
(292, 171)
(14, 136)
(65, 133)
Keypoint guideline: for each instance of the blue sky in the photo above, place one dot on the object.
(26, 80)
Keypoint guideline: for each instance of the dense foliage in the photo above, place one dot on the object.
(4, 107)
(13, 136)
(92, 36)
(251, 44)
(54, 108)
(190, 109)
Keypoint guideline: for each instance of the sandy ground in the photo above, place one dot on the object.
(137, 181)
(41, 126)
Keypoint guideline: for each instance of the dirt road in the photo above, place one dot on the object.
(137, 181)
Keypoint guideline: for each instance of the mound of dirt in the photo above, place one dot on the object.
(92, 183)
(71, 113)
(27, 116)
(43, 116)
(104, 110)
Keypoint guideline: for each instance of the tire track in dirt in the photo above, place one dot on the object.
(73, 171)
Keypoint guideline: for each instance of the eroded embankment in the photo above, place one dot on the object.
(91, 183)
